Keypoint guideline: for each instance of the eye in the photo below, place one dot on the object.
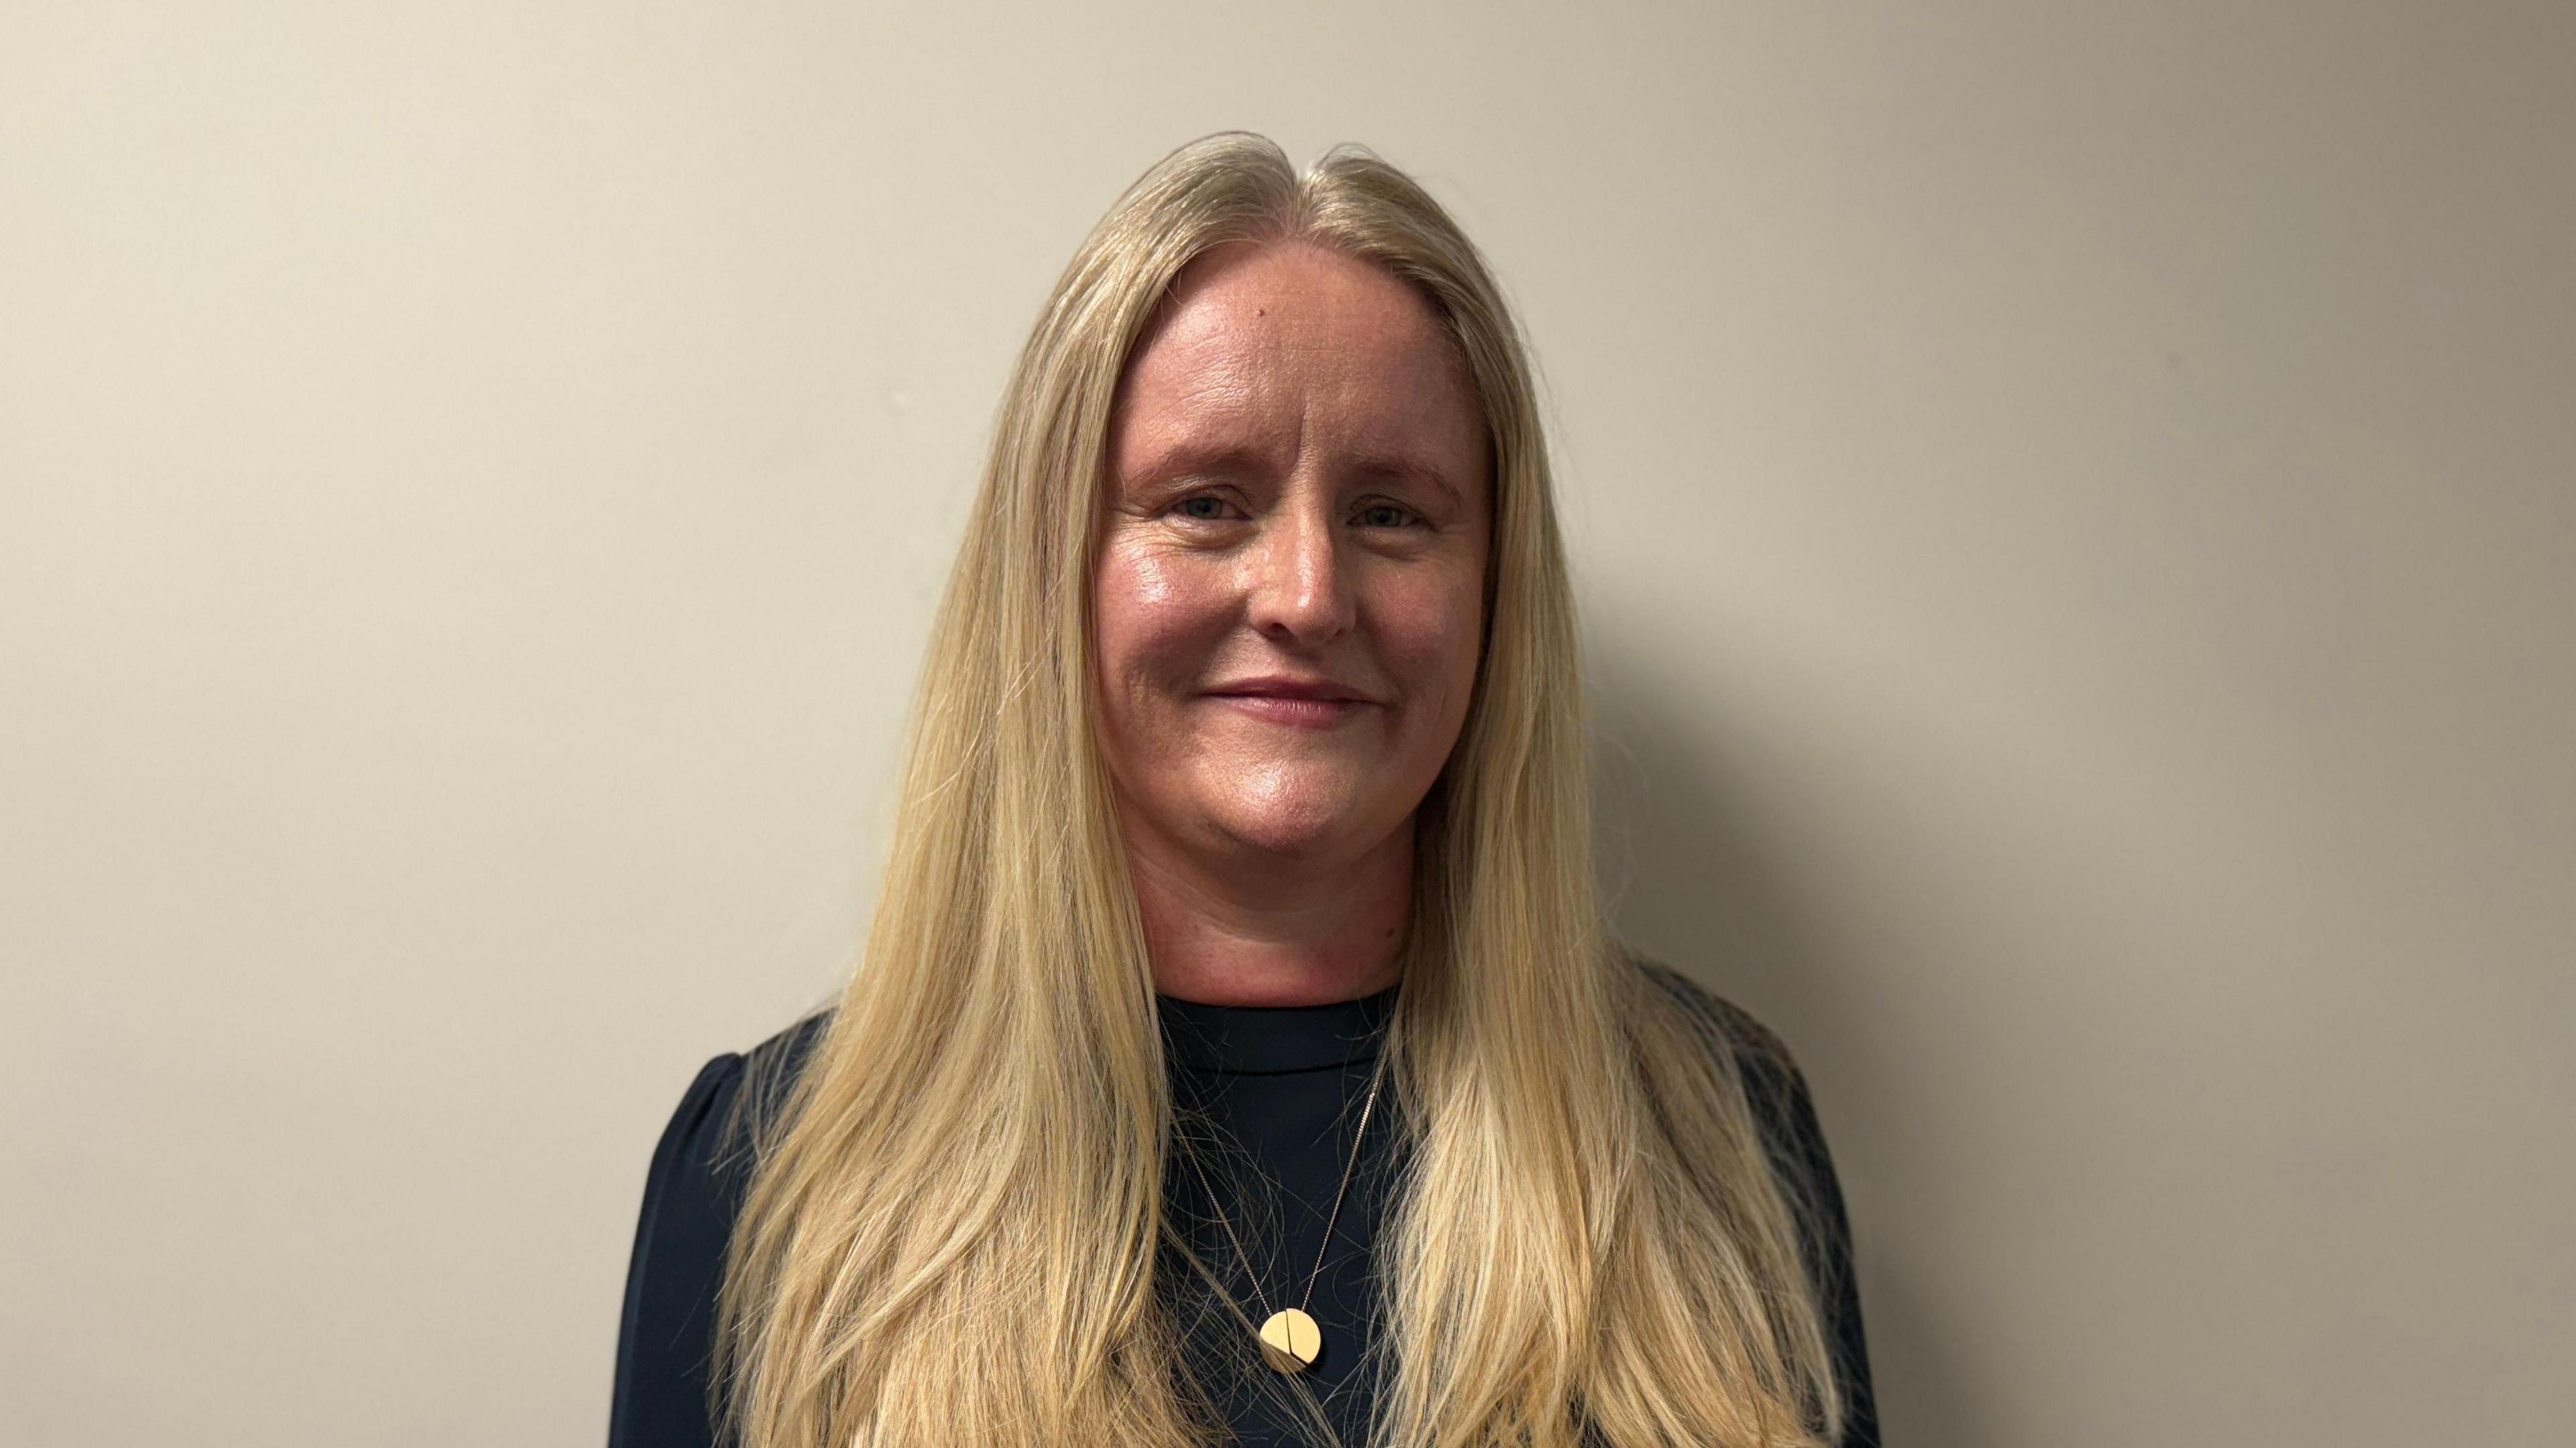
(1386, 515)
(1204, 507)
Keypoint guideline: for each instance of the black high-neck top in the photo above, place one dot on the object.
(1266, 1103)
(1266, 1107)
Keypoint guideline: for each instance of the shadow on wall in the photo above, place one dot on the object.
(1696, 881)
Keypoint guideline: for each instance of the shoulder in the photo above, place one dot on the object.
(1784, 1114)
(733, 1096)
(693, 1191)
(702, 1164)
(1726, 1025)
(792, 1047)
(768, 1076)
(1775, 1090)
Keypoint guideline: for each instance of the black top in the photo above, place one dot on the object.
(1265, 1099)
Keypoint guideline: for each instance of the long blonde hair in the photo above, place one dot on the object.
(951, 1233)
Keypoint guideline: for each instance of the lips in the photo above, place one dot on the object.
(1323, 691)
(1293, 713)
(1297, 703)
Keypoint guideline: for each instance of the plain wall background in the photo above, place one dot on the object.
(2075, 507)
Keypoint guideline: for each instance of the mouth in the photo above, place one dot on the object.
(1296, 713)
(1299, 703)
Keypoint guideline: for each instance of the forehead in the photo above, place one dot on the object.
(1291, 349)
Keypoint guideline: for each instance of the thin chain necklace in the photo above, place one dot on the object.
(1290, 1340)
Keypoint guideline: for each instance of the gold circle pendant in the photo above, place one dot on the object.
(1290, 1340)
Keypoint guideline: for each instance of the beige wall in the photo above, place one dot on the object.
(2074, 505)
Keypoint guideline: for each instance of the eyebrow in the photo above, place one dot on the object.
(1197, 457)
(1409, 470)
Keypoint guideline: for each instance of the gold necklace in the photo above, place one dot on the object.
(1290, 1340)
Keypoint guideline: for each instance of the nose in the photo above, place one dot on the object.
(1298, 593)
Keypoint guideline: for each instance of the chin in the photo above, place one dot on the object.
(1294, 823)
(1291, 846)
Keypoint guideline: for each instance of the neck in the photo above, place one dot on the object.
(1273, 933)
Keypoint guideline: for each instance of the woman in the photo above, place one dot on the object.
(1237, 1050)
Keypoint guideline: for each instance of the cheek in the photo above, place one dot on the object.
(1152, 621)
(1433, 630)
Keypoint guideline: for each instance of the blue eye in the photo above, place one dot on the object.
(1384, 515)
(1203, 507)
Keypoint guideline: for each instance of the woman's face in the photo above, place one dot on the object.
(1289, 600)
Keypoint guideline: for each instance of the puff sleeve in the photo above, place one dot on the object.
(666, 1333)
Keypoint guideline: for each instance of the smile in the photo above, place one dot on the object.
(1294, 712)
